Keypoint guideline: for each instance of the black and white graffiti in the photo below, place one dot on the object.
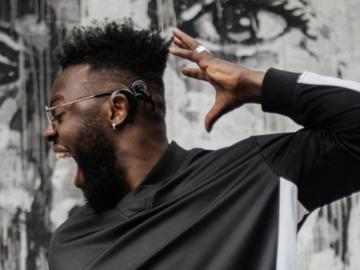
(36, 191)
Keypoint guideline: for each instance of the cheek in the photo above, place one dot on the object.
(89, 113)
(86, 133)
(78, 126)
(68, 131)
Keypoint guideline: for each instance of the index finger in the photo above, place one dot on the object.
(185, 39)
(187, 54)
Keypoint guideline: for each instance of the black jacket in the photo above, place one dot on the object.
(236, 207)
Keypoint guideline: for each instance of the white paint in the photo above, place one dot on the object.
(10, 42)
(191, 12)
(354, 232)
(5, 60)
(117, 10)
(270, 24)
(4, 136)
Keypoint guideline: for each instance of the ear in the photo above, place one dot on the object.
(119, 109)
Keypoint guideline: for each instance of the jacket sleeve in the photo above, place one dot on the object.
(323, 158)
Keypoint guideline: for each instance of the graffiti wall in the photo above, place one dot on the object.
(36, 190)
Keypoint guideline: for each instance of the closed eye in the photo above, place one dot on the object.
(58, 117)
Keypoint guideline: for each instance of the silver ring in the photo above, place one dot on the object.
(201, 48)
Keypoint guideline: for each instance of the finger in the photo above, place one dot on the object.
(185, 38)
(213, 115)
(179, 43)
(195, 73)
(187, 54)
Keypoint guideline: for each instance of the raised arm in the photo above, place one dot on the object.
(323, 158)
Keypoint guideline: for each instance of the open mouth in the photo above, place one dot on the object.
(63, 153)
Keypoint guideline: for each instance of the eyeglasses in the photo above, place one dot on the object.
(50, 110)
(138, 90)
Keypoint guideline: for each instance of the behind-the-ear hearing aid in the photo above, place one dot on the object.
(138, 90)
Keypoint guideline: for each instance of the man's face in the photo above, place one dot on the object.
(79, 131)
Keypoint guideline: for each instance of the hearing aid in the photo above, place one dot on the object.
(141, 91)
(138, 91)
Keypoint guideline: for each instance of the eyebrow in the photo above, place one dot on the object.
(56, 98)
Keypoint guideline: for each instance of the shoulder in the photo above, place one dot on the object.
(205, 160)
(73, 243)
(243, 148)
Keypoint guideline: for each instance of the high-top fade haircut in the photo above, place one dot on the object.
(122, 50)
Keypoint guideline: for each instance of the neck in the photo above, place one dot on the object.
(142, 150)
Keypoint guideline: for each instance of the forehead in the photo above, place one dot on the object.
(79, 80)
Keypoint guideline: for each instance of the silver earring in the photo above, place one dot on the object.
(113, 126)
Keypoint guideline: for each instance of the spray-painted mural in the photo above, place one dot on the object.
(25, 191)
(36, 191)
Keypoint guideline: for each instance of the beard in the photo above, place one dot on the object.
(96, 157)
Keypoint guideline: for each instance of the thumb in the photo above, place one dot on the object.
(223, 104)
(213, 115)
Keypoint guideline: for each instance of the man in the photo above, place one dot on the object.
(154, 205)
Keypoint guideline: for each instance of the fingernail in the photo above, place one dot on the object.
(208, 129)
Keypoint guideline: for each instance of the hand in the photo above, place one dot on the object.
(234, 84)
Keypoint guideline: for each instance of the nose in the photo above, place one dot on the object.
(49, 132)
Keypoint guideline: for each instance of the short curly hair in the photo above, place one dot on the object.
(119, 47)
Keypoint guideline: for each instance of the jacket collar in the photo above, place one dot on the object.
(140, 198)
(170, 162)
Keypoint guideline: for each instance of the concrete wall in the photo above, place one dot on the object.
(36, 191)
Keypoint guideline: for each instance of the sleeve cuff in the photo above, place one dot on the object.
(278, 92)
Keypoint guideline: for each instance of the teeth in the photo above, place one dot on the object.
(63, 155)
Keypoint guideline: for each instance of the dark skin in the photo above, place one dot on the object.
(234, 85)
(134, 141)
